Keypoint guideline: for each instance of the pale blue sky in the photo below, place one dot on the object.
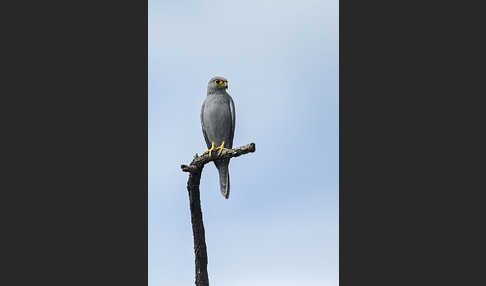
(280, 224)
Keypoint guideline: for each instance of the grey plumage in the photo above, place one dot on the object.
(218, 125)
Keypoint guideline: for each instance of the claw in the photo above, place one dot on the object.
(220, 148)
(209, 150)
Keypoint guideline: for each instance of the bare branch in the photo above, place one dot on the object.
(195, 170)
(199, 161)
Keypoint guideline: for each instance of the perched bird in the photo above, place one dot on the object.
(218, 126)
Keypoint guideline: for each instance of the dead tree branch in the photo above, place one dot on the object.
(195, 169)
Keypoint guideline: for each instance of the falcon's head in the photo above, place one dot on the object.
(217, 83)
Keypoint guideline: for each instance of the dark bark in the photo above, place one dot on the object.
(195, 170)
(201, 257)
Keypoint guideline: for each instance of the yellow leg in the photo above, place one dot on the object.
(220, 148)
(210, 150)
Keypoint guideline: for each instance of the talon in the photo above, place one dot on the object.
(220, 148)
(210, 150)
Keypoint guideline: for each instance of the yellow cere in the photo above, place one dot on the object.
(220, 82)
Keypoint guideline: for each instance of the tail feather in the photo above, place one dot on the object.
(224, 180)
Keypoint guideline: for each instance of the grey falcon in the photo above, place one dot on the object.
(218, 126)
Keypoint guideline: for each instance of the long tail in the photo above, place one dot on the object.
(224, 180)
